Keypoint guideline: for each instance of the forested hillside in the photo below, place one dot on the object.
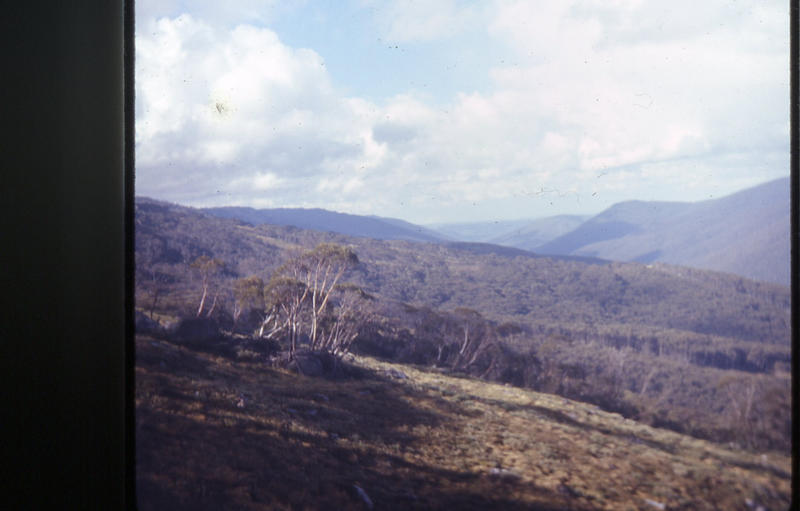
(697, 351)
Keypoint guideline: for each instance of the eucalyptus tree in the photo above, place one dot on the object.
(286, 299)
(209, 269)
(344, 319)
(321, 269)
(302, 289)
(248, 295)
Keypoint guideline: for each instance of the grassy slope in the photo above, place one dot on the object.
(426, 441)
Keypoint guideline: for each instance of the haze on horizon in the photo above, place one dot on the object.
(457, 111)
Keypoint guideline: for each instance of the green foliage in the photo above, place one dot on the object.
(248, 294)
(249, 291)
(206, 265)
(331, 254)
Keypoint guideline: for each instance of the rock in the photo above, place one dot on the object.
(657, 505)
(309, 363)
(363, 495)
(503, 473)
(394, 373)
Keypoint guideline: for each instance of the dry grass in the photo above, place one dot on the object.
(219, 433)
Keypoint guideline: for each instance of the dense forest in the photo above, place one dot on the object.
(699, 352)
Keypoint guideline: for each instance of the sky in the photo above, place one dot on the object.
(459, 111)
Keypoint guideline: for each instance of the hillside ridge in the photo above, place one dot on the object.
(331, 221)
(745, 233)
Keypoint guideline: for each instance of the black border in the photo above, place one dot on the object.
(130, 301)
(65, 363)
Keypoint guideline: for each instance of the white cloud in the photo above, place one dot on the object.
(594, 102)
(687, 84)
(213, 12)
(217, 108)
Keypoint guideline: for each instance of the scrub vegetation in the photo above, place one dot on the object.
(218, 430)
(287, 368)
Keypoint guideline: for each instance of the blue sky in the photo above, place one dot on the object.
(452, 111)
(366, 60)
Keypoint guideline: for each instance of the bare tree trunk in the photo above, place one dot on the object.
(237, 311)
(156, 295)
(647, 379)
(477, 352)
(293, 334)
(325, 290)
(272, 317)
(314, 316)
(202, 300)
(459, 361)
(466, 341)
(213, 305)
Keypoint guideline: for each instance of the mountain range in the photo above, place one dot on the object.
(330, 221)
(746, 233)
